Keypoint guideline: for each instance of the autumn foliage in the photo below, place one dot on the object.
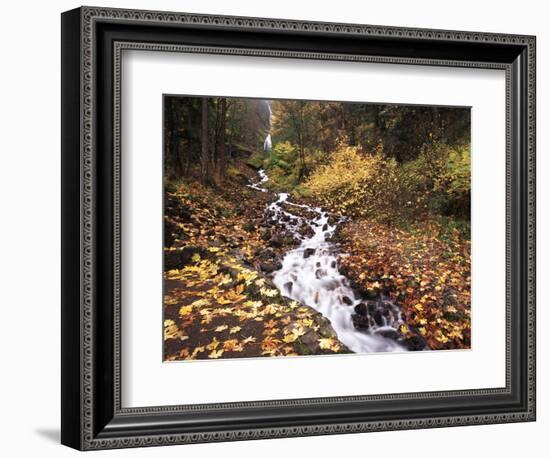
(425, 269)
(217, 302)
(358, 184)
(395, 180)
(369, 184)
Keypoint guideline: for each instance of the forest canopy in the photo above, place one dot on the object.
(380, 161)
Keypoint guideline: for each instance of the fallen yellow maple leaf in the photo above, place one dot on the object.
(269, 292)
(214, 344)
(233, 345)
(230, 344)
(185, 310)
(270, 324)
(216, 354)
(289, 338)
(328, 343)
(200, 303)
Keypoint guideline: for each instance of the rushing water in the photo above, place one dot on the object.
(267, 143)
(310, 275)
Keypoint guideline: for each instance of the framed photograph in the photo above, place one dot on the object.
(276, 228)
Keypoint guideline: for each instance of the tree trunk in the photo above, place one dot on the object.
(222, 156)
(205, 148)
(170, 139)
(216, 138)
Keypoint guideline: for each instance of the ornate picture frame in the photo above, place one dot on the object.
(93, 416)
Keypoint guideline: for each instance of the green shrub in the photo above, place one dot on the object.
(256, 160)
(443, 174)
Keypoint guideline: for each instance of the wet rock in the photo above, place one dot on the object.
(176, 259)
(249, 226)
(305, 230)
(265, 235)
(390, 334)
(360, 322)
(325, 227)
(346, 300)
(288, 240)
(371, 306)
(309, 252)
(231, 271)
(378, 318)
(333, 264)
(288, 286)
(370, 293)
(414, 343)
(309, 339)
(336, 237)
(333, 220)
(320, 273)
(171, 231)
(266, 255)
(276, 241)
(361, 309)
(270, 267)
(300, 212)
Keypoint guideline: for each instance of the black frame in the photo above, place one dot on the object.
(92, 42)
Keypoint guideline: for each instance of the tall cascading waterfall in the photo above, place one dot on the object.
(267, 141)
(310, 275)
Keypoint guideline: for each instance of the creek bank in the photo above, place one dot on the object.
(261, 325)
(220, 248)
(424, 268)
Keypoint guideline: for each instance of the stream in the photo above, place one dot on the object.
(310, 275)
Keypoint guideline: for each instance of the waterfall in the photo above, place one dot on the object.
(267, 141)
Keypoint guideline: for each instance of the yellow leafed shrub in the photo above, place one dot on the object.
(355, 183)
